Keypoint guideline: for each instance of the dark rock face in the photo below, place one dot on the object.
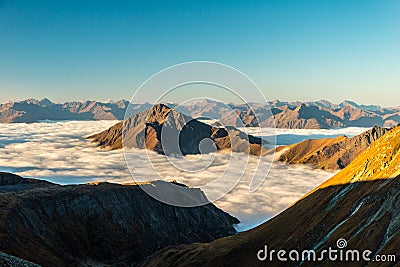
(182, 134)
(33, 110)
(366, 214)
(11, 261)
(331, 153)
(98, 224)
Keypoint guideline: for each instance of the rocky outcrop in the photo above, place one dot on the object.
(166, 131)
(360, 205)
(99, 224)
(33, 110)
(330, 153)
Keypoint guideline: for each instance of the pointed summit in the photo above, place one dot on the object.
(158, 113)
(45, 102)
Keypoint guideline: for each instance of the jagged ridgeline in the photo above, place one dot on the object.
(294, 115)
(167, 131)
(32, 110)
(330, 153)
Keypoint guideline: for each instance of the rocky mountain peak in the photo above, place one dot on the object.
(158, 113)
(147, 129)
(45, 102)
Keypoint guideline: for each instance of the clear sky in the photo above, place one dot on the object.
(294, 50)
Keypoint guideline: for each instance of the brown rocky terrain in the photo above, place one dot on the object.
(303, 117)
(359, 204)
(164, 130)
(330, 153)
(99, 224)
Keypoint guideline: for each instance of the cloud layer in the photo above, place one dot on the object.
(59, 152)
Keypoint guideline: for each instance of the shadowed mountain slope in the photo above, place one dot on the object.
(98, 224)
(360, 204)
(366, 214)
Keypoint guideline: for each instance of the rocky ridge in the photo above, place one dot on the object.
(330, 153)
(99, 224)
(381, 160)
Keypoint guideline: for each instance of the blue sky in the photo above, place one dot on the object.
(294, 50)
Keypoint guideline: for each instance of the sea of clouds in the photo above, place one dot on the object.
(59, 152)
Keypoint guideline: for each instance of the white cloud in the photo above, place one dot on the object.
(59, 152)
(290, 136)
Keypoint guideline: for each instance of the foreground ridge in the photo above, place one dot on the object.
(100, 224)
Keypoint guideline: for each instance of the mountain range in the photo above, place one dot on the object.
(103, 224)
(295, 115)
(359, 205)
(32, 110)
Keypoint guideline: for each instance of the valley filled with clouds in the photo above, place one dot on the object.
(60, 153)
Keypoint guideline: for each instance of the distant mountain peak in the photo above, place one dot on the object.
(358, 106)
(45, 102)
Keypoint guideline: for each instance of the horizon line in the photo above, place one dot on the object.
(110, 100)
